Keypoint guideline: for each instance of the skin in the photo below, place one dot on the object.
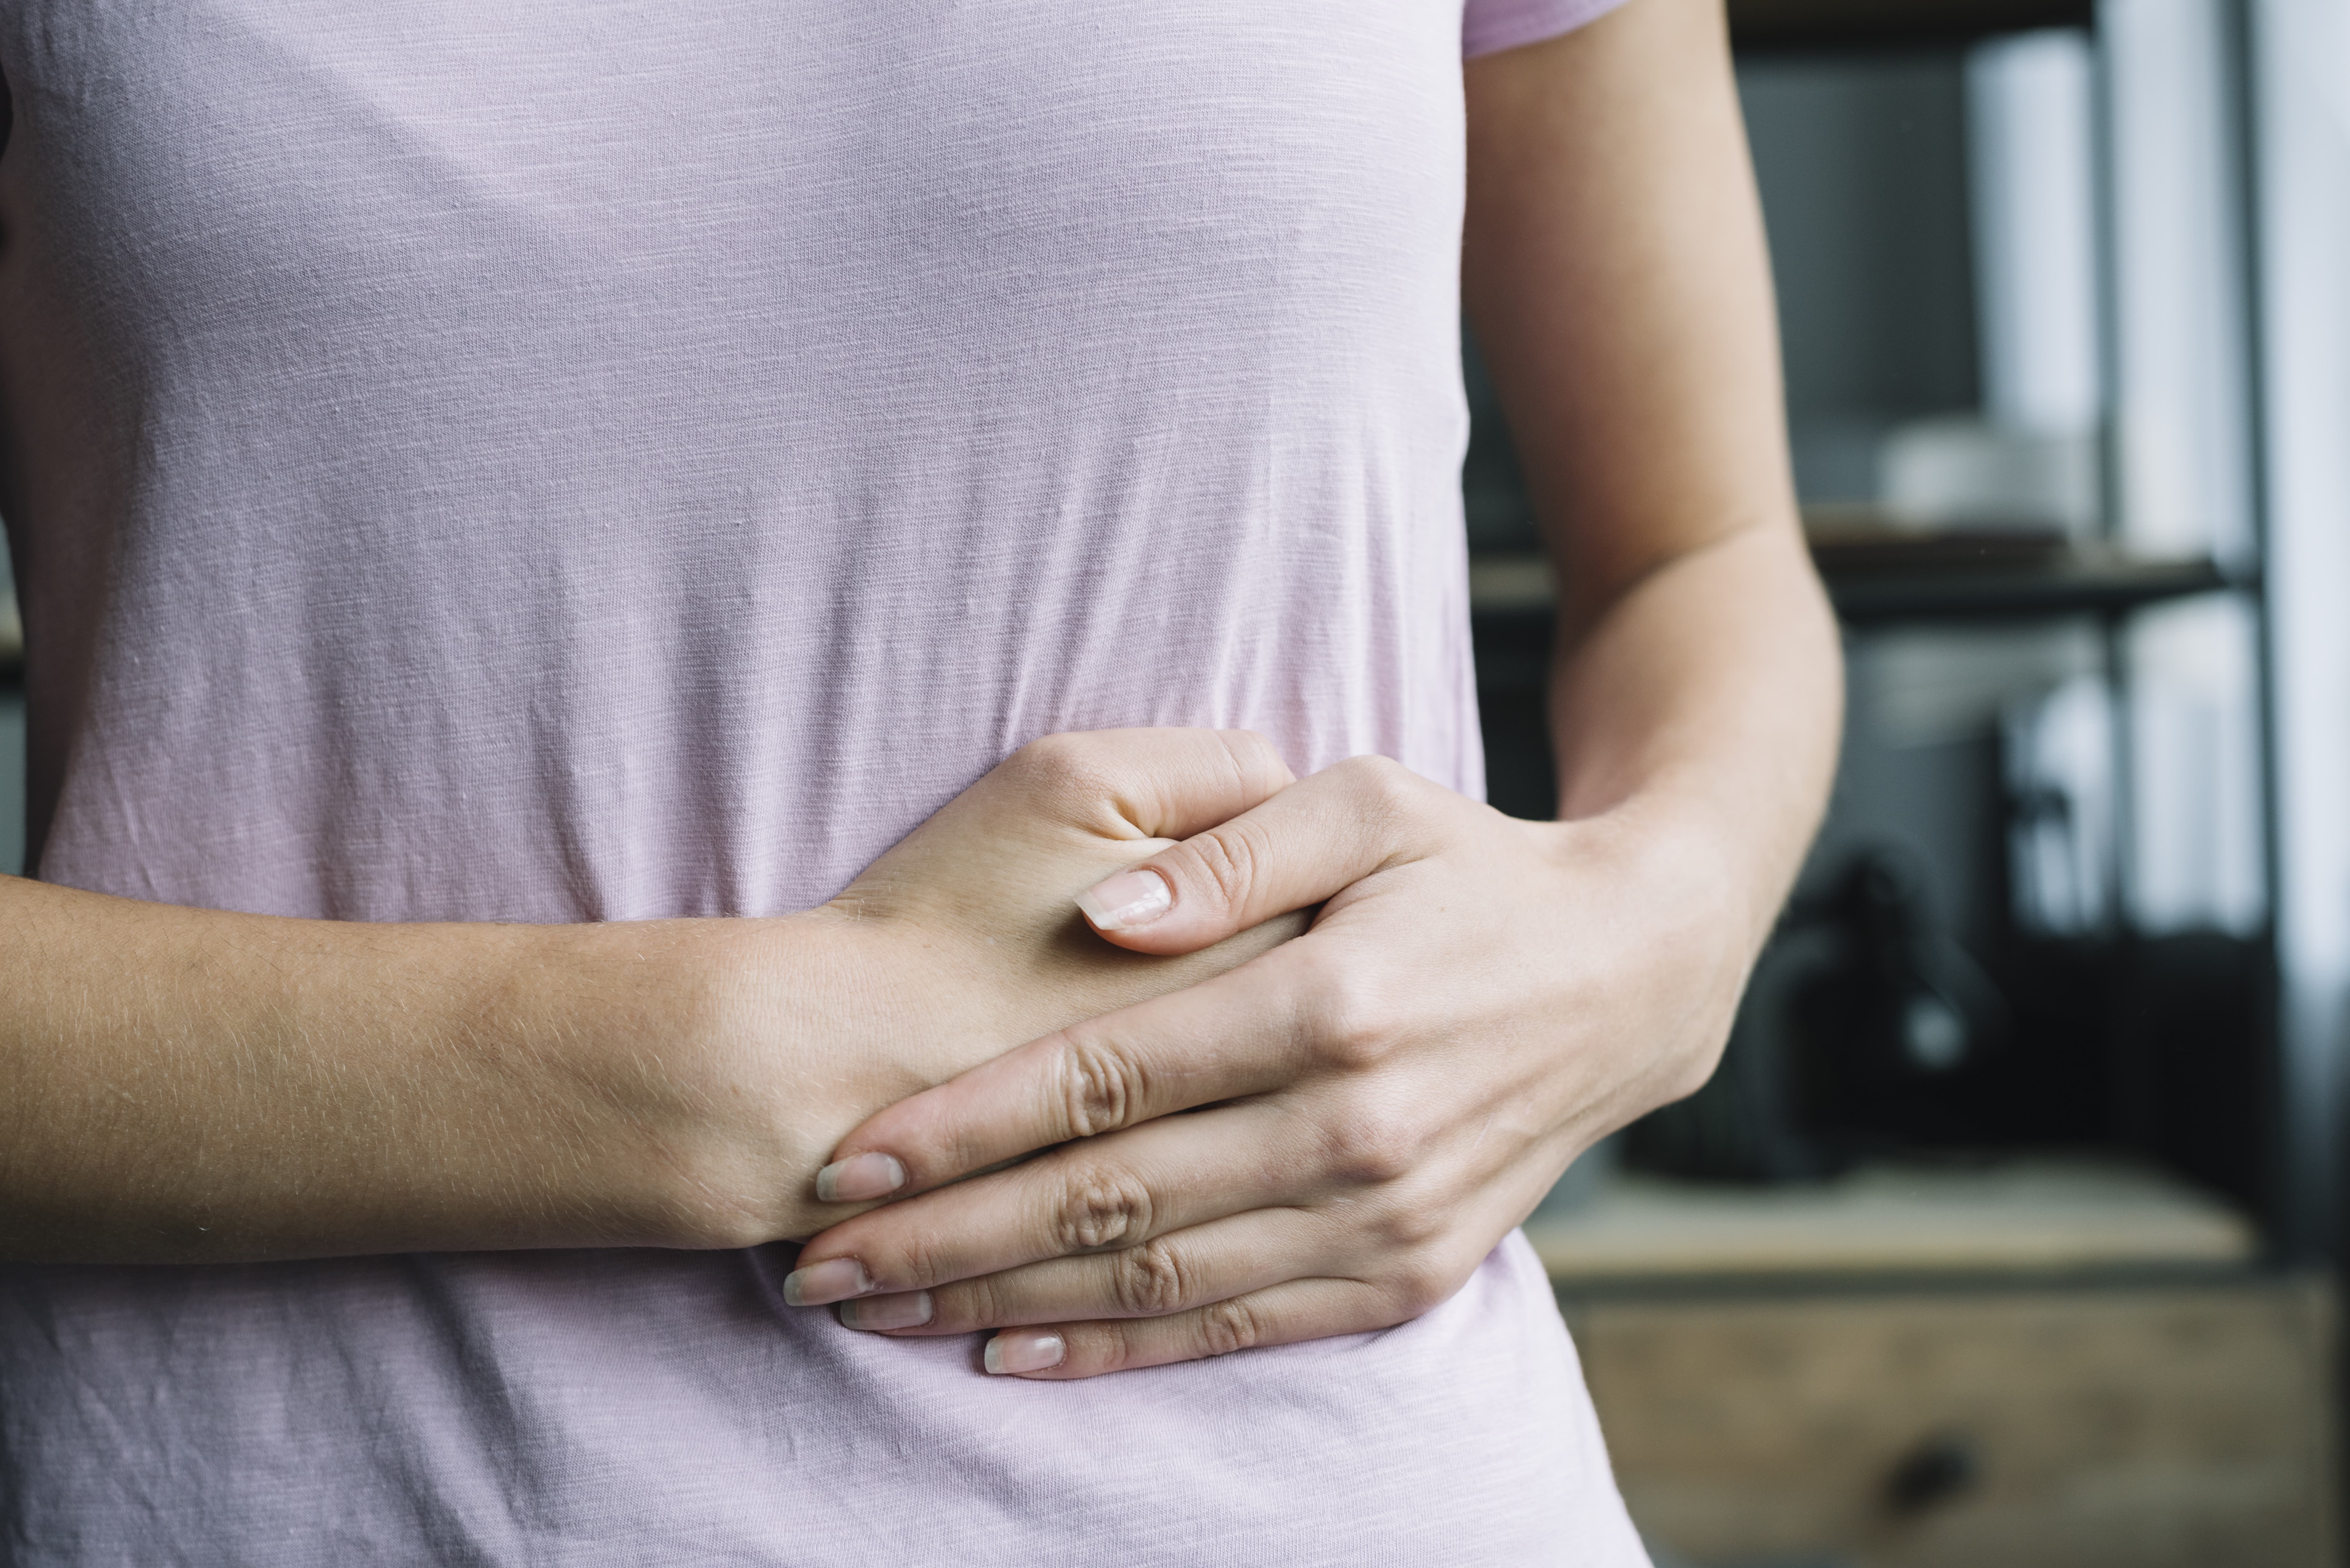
(1479, 999)
(187, 1086)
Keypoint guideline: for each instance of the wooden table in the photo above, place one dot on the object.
(2038, 1365)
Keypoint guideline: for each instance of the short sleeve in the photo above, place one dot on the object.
(1488, 26)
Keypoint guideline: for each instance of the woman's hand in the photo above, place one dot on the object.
(1481, 998)
(1478, 1000)
(957, 945)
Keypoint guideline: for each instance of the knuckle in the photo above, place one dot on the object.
(1100, 1087)
(1354, 1027)
(1385, 787)
(1360, 1037)
(1230, 1325)
(918, 1259)
(1368, 1143)
(1227, 858)
(1101, 1209)
(1420, 1287)
(1101, 1347)
(1149, 1280)
(1410, 1224)
(1063, 762)
(1256, 761)
(973, 1303)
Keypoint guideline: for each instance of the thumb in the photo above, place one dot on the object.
(1142, 783)
(1306, 844)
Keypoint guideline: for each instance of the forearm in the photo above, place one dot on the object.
(1705, 704)
(181, 1085)
(1614, 262)
(188, 1085)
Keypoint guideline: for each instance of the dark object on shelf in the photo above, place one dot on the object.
(1942, 1468)
(2162, 1045)
(2159, 1045)
(1866, 1029)
(1828, 24)
(1899, 1010)
(1745, 1124)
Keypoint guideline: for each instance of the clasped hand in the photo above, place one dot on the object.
(1326, 1139)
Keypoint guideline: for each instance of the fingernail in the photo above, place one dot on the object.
(835, 1278)
(1024, 1350)
(1129, 898)
(858, 1178)
(908, 1311)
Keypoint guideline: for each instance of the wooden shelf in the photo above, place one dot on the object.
(2031, 1217)
(2162, 1424)
(1832, 24)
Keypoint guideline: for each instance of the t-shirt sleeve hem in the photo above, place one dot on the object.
(1489, 27)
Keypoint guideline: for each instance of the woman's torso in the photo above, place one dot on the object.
(513, 460)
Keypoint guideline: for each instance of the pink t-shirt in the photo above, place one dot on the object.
(608, 459)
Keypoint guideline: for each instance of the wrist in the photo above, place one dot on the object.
(1734, 863)
(1685, 914)
(723, 1059)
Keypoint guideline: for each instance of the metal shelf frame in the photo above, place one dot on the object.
(1863, 24)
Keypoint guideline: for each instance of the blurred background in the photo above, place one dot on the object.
(2006, 1230)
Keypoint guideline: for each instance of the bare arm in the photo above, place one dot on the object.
(1615, 268)
(185, 1085)
(188, 1085)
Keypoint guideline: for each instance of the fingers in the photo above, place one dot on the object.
(1172, 1274)
(1153, 782)
(1300, 847)
(1091, 1197)
(1243, 1033)
(1281, 1314)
